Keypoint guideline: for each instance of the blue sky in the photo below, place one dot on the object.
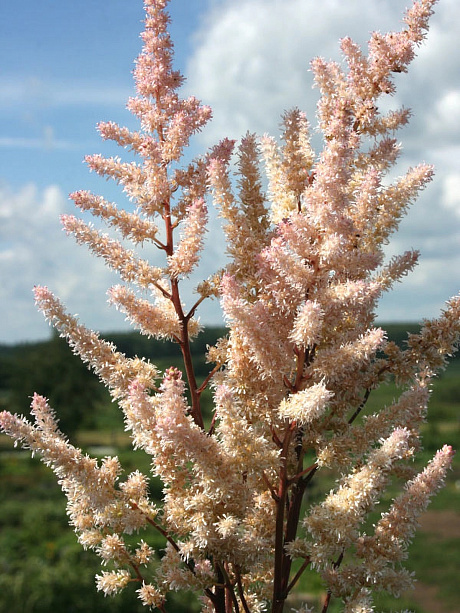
(67, 65)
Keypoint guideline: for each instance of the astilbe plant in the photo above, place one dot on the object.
(290, 381)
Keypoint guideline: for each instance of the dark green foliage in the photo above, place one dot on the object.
(80, 401)
(397, 332)
(51, 370)
(42, 567)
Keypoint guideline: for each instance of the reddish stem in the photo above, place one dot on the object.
(301, 474)
(204, 385)
(270, 487)
(298, 574)
(173, 543)
(241, 590)
(184, 341)
(278, 595)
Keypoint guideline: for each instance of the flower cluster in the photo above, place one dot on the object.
(303, 353)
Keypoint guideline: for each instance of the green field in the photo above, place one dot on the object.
(44, 569)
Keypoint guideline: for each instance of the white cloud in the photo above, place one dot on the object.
(251, 59)
(251, 63)
(35, 251)
(443, 121)
(451, 189)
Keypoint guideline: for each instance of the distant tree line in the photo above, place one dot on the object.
(52, 370)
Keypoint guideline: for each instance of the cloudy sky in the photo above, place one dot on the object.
(67, 65)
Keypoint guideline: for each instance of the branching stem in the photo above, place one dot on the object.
(298, 574)
(327, 601)
(279, 595)
(184, 341)
(173, 543)
(241, 590)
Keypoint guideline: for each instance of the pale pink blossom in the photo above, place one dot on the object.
(395, 530)
(124, 261)
(291, 379)
(115, 370)
(187, 253)
(333, 524)
(112, 582)
(130, 225)
(308, 323)
(159, 321)
(150, 596)
(307, 405)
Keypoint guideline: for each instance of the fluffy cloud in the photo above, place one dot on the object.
(251, 62)
(35, 251)
(251, 58)
(451, 196)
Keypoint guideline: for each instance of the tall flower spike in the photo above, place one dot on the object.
(247, 226)
(114, 368)
(333, 524)
(383, 552)
(303, 355)
(187, 254)
(396, 528)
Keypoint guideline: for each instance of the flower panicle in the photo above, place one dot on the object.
(291, 379)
